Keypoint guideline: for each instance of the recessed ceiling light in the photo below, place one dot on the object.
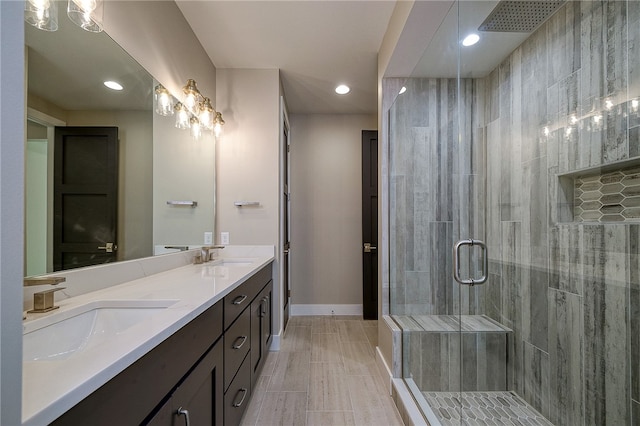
(343, 89)
(404, 89)
(113, 85)
(470, 40)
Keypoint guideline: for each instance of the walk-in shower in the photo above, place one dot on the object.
(526, 144)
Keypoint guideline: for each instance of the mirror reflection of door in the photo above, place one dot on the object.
(85, 196)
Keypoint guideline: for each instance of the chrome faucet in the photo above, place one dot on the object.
(43, 301)
(205, 254)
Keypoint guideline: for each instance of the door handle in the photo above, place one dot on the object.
(368, 247)
(109, 247)
(456, 262)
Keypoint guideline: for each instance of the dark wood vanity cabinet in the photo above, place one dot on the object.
(261, 330)
(198, 399)
(204, 370)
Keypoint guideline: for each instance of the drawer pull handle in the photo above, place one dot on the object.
(238, 300)
(244, 395)
(185, 413)
(263, 306)
(237, 345)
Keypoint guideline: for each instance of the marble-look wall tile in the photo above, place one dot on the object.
(565, 358)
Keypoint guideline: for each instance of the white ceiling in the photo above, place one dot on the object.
(316, 45)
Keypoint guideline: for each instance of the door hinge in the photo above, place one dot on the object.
(289, 293)
(288, 148)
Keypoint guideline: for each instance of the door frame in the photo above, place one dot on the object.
(284, 298)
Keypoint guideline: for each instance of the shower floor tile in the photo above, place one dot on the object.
(483, 408)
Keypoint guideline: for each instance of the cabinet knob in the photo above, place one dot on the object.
(185, 413)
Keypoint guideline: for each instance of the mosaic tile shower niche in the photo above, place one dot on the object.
(608, 197)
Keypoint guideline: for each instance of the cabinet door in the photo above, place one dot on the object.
(199, 397)
(256, 337)
(267, 330)
(238, 395)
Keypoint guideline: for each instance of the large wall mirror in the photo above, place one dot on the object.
(71, 114)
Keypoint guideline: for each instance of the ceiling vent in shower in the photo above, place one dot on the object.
(519, 16)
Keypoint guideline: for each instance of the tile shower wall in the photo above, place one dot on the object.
(569, 290)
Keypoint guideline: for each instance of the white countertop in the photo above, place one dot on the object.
(50, 388)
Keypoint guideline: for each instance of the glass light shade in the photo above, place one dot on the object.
(42, 14)
(206, 114)
(218, 122)
(196, 128)
(191, 95)
(163, 101)
(87, 14)
(182, 117)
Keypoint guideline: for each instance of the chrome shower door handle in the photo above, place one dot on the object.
(456, 262)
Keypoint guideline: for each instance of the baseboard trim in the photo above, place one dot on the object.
(385, 371)
(306, 310)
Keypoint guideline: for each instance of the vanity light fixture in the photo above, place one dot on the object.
(183, 120)
(470, 40)
(343, 89)
(195, 112)
(191, 94)
(113, 85)
(42, 14)
(206, 114)
(196, 128)
(163, 101)
(87, 14)
(218, 122)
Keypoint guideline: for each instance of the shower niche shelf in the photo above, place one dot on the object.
(606, 194)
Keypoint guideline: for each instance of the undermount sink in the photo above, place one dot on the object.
(61, 334)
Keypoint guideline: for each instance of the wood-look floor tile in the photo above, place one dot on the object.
(351, 330)
(330, 418)
(325, 324)
(269, 363)
(250, 417)
(372, 336)
(328, 388)
(372, 405)
(301, 321)
(325, 348)
(291, 372)
(359, 358)
(370, 324)
(283, 408)
(296, 339)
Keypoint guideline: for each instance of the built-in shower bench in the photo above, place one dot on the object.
(432, 352)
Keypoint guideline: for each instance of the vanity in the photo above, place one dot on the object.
(183, 346)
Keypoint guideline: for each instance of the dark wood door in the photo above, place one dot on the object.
(370, 224)
(85, 196)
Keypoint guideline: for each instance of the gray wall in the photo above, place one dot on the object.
(326, 208)
(570, 291)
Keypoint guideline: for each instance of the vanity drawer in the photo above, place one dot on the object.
(237, 343)
(238, 395)
(240, 298)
